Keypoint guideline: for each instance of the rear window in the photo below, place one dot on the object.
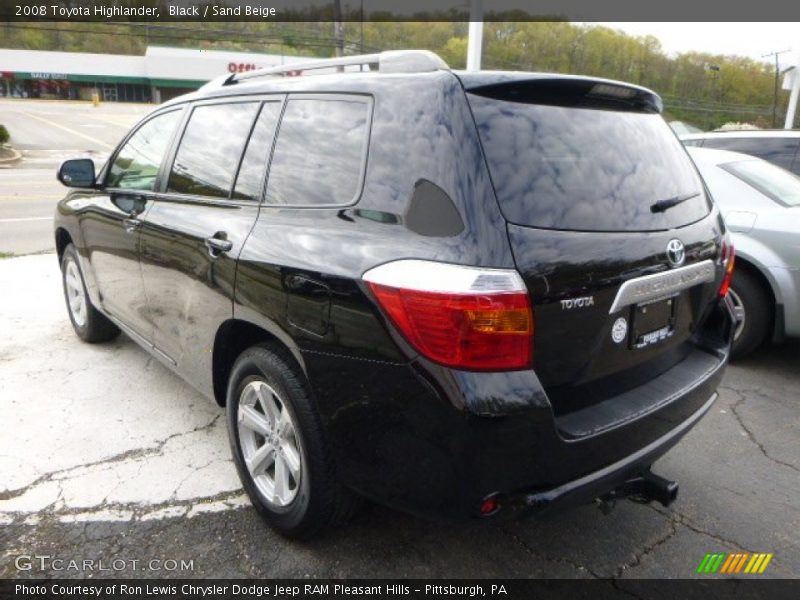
(586, 169)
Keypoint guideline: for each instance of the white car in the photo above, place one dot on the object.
(761, 206)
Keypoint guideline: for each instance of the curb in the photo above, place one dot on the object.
(16, 156)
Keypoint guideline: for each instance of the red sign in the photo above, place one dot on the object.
(240, 67)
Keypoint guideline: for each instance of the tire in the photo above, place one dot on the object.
(265, 387)
(752, 303)
(89, 323)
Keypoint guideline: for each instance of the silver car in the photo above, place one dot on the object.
(761, 206)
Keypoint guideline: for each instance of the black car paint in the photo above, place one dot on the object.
(407, 432)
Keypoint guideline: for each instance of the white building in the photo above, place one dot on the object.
(162, 73)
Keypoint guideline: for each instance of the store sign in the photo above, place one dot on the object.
(241, 67)
(48, 76)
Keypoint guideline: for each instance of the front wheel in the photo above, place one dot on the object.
(279, 448)
(89, 323)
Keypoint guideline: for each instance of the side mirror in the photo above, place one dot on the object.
(78, 172)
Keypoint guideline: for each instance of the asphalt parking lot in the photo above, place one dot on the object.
(106, 455)
(45, 133)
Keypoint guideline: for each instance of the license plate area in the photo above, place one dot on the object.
(653, 322)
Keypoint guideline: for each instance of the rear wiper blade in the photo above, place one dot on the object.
(666, 203)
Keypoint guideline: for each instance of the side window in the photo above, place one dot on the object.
(254, 164)
(136, 164)
(319, 152)
(692, 142)
(796, 164)
(210, 148)
(779, 151)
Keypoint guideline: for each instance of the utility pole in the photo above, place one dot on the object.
(361, 43)
(713, 76)
(791, 110)
(338, 29)
(794, 74)
(777, 76)
(475, 39)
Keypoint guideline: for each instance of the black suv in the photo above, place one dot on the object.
(453, 293)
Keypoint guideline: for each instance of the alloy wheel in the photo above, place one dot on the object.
(76, 295)
(269, 443)
(738, 312)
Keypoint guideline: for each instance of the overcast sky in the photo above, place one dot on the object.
(744, 39)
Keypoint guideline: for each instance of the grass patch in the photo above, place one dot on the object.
(6, 255)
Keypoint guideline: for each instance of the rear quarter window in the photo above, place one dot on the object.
(586, 169)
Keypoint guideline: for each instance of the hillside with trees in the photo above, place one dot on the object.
(702, 89)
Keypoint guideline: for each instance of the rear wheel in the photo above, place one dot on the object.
(89, 323)
(279, 448)
(753, 312)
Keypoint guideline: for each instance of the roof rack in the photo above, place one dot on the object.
(390, 61)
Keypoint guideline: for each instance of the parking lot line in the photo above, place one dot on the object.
(26, 182)
(67, 129)
(31, 197)
(18, 220)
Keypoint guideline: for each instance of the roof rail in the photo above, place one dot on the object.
(390, 61)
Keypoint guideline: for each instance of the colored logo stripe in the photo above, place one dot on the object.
(758, 563)
(721, 562)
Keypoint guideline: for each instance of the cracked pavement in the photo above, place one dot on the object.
(107, 455)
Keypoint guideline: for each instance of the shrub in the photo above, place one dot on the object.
(4, 136)
(736, 126)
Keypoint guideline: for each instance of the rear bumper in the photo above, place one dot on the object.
(437, 442)
(585, 489)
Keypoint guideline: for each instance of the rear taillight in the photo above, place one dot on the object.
(728, 258)
(462, 317)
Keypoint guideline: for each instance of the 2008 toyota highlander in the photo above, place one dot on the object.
(453, 293)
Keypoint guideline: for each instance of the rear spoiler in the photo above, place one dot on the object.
(573, 92)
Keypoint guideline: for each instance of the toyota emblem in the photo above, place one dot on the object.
(676, 253)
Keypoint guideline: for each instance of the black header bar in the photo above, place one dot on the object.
(393, 10)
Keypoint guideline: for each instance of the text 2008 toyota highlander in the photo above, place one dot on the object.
(453, 293)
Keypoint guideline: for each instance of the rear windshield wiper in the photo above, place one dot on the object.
(666, 203)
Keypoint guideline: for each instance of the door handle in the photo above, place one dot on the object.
(131, 224)
(217, 244)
